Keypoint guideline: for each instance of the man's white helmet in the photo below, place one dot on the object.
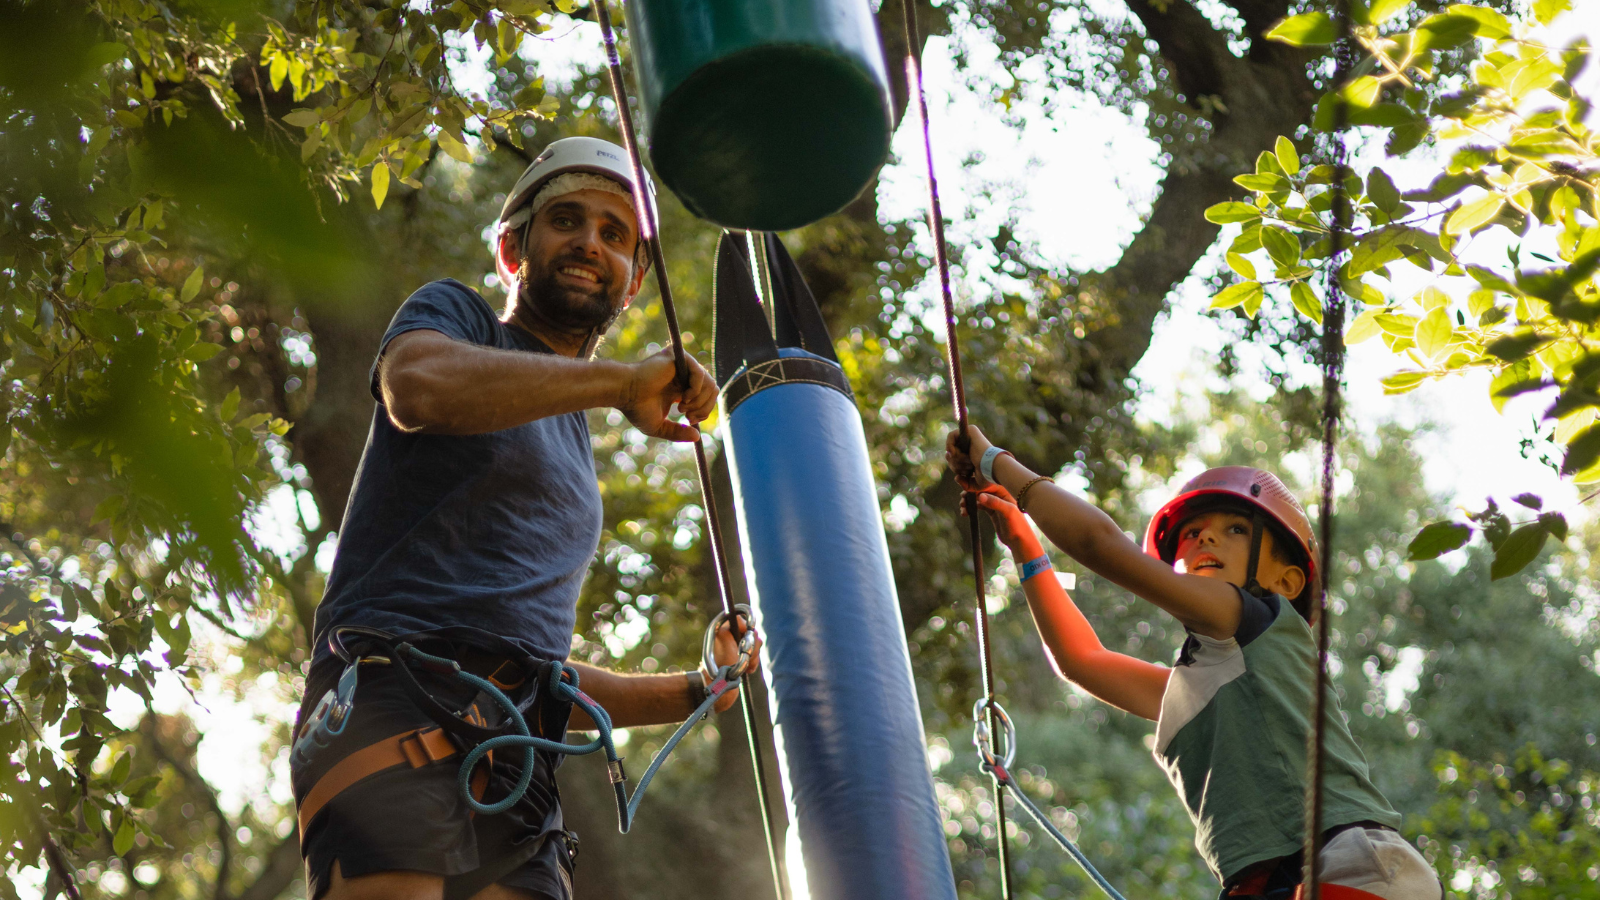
(568, 156)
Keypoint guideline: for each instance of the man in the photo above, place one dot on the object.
(476, 511)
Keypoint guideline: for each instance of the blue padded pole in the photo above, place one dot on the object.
(844, 707)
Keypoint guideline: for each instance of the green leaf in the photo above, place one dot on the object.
(230, 406)
(1434, 332)
(1283, 247)
(1514, 380)
(1236, 294)
(1545, 11)
(1474, 214)
(202, 351)
(1443, 187)
(1553, 522)
(1520, 547)
(1403, 382)
(1288, 157)
(1516, 346)
(1531, 501)
(123, 842)
(1305, 300)
(1540, 144)
(303, 118)
(1445, 30)
(1227, 213)
(1263, 182)
(452, 145)
(1382, 11)
(192, 284)
(1583, 452)
(380, 182)
(1242, 266)
(1489, 24)
(1437, 539)
(1364, 327)
(1382, 190)
(1312, 29)
(119, 771)
(1398, 324)
(1431, 298)
(1363, 92)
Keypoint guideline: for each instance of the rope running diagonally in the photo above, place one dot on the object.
(958, 399)
(651, 231)
(1332, 346)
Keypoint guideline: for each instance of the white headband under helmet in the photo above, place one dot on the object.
(582, 157)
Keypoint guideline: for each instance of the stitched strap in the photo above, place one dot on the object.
(786, 370)
(416, 749)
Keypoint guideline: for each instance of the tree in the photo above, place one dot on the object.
(196, 284)
(1524, 164)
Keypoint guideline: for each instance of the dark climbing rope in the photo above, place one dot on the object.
(1332, 379)
(958, 399)
(650, 227)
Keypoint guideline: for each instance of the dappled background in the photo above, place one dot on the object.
(211, 210)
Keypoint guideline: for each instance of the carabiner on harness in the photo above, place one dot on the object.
(329, 718)
(747, 644)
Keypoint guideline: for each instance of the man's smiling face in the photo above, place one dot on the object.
(580, 270)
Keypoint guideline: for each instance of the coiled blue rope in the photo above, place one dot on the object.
(563, 688)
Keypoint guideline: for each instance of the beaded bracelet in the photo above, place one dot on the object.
(1022, 495)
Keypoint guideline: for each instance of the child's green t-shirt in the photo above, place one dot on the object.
(1232, 740)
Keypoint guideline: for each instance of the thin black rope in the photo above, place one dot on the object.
(1332, 410)
(958, 400)
(652, 236)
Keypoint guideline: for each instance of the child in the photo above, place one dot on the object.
(1233, 714)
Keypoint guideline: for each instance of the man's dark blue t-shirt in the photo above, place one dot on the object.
(494, 531)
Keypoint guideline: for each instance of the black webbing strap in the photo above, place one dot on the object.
(650, 230)
(796, 316)
(958, 399)
(1332, 346)
(747, 354)
(1252, 571)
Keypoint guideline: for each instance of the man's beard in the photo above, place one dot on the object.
(569, 309)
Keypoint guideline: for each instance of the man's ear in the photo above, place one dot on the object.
(508, 256)
(637, 282)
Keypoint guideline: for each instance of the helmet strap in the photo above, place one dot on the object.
(1252, 585)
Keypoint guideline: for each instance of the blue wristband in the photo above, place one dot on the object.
(1034, 566)
(986, 464)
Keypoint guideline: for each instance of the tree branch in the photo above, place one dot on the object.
(189, 775)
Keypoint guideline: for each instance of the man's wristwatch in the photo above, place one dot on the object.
(698, 693)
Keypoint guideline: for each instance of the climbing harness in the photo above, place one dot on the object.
(651, 232)
(458, 727)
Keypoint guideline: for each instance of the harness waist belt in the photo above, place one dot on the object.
(416, 748)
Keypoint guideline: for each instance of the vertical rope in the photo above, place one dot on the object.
(650, 228)
(1332, 380)
(958, 400)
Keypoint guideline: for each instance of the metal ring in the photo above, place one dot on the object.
(983, 738)
(747, 643)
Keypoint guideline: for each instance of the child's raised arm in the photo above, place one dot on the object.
(1203, 605)
(1074, 649)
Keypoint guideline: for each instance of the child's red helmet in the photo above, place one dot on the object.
(1251, 486)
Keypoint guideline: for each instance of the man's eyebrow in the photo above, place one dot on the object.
(578, 206)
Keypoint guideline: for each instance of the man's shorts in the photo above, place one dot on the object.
(1373, 859)
(415, 819)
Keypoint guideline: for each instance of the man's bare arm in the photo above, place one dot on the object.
(434, 384)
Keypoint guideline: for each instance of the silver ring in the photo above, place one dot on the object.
(983, 738)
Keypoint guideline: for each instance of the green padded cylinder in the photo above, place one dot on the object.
(761, 114)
